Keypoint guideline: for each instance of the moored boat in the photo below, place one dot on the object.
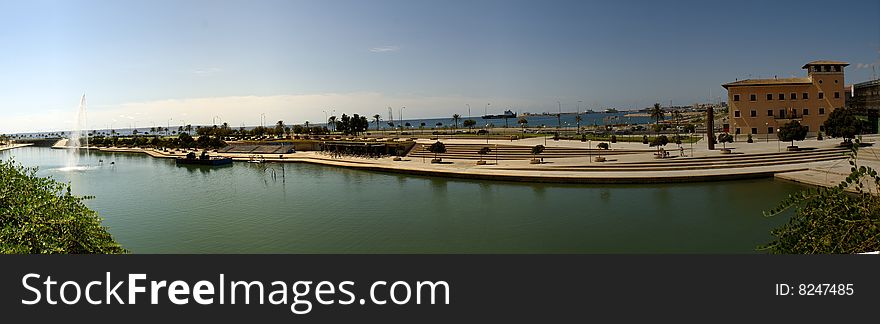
(204, 159)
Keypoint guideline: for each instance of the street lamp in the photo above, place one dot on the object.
(401, 117)
(469, 110)
(777, 143)
(559, 116)
(487, 133)
(768, 134)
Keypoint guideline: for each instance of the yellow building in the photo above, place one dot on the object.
(761, 106)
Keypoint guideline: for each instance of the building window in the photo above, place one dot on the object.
(769, 96)
(826, 68)
(821, 111)
(808, 127)
(836, 69)
(753, 113)
(815, 68)
(770, 112)
(821, 95)
(737, 131)
(820, 81)
(769, 130)
(753, 97)
(754, 130)
(806, 96)
(782, 113)
(781, 96)
(806, 111)
(835, 81)
(735, 97)
(793, 96)
(836, 95)
(736, 113)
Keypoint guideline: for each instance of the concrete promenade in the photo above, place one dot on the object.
(819, 163)
(12, 146)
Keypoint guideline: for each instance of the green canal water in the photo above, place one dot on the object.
(153, 206)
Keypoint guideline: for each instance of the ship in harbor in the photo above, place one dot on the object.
(505, 115)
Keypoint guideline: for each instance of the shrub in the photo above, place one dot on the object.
(40, 215)
(613, 138)
(602, 145)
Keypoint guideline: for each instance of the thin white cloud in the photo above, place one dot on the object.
(385, 49)
(206, 71)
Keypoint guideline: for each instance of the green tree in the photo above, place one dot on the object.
(537, 149)
(279, 127)
(725, 138)
(483, 151)
(845, 123)
(377, 118)
(469, 123)
(437, 148)
(455, 119)
(657, 113)
(831, 220)
(659, 142)
(523, 122)
(792, 131)
(40, 215)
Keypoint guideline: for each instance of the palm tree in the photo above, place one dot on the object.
(332, 121)
(522, 124)
(377, 118)
(657, 114)
(308, 130)
(455, 118)
(188, 128)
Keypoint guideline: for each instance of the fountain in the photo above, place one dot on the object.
(77, 139)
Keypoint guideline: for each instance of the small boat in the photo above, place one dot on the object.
(507, 114)
(204, 159)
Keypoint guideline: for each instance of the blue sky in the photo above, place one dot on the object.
(144, 62)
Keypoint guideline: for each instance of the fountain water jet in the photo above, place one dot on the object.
(77, 139)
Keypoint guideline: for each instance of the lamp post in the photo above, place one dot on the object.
(487, 133)
(401, 117)
(777, 143)
(768, 134)
(167, 126)
(469, 110)
(559, 116)
(486, 111)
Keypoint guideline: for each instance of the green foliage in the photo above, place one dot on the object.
(792, 131)
(537, 149)
(725, 138)
(39, 215)
(602, 145)
(469, 123)
(644, 139)
(750, 140)
(613, 138)
(844, 122)
(658, 141)
(831, 220)
(437, 148)
(657, 113)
